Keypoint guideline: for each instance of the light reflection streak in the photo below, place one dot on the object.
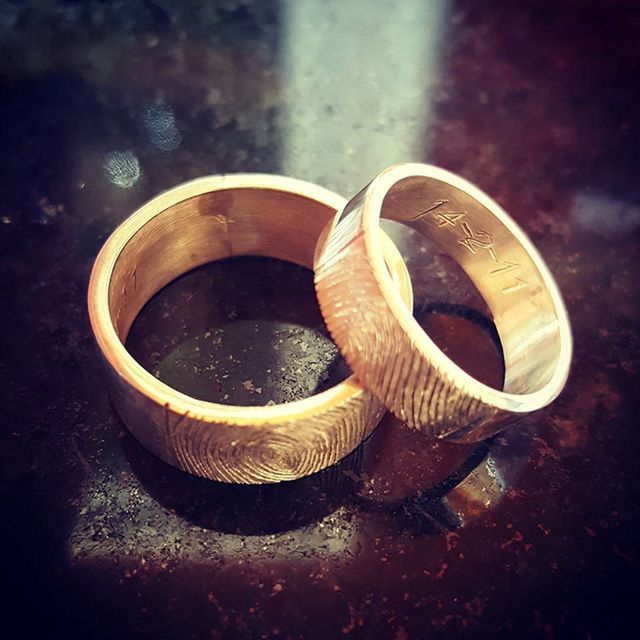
(358, 79)
(600, 212)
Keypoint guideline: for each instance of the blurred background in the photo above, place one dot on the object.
(103, 105)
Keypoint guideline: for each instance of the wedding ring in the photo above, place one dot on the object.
(192, 224)
(386, 347)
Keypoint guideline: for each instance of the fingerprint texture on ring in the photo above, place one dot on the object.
(378, 349)
(272, 453)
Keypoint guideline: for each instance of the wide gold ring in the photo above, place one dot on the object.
(386, 347)
(192, 224)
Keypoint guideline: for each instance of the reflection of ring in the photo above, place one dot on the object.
(198, 222)
(383, 343)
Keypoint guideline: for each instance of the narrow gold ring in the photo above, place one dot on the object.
(386, 347)
(192, 224)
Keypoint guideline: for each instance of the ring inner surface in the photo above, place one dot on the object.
(498, 265)
(208, 227)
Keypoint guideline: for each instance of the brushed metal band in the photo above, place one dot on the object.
(385, 346)
(192, 224)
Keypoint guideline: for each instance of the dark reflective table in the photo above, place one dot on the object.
(105, 104)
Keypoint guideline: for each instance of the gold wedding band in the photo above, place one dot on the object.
(386, 347)
(192, 224)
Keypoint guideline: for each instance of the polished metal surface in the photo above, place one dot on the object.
(195, 223)
(385, 345)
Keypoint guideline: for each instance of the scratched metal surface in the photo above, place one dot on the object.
(103, 105)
